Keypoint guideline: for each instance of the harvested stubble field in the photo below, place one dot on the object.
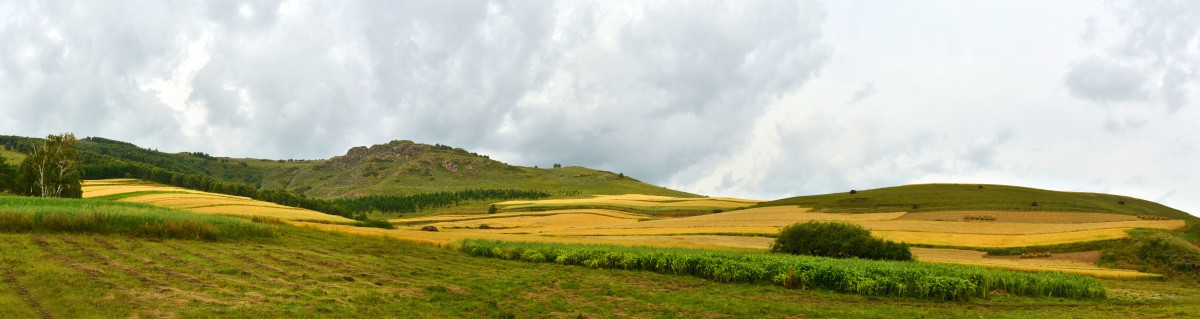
(137, 191)
(1067, 265)
(750, 228)
(1023, 217)
(640, 202)
(460, 218)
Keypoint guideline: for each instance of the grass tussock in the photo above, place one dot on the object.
(24, 214)
(864, 277)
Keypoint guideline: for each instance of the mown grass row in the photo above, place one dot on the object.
(28, 214)
(871, 278)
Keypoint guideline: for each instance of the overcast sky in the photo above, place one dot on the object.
(759, 99)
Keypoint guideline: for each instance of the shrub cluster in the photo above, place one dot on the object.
(864, 277)
(979, 217)
(840, 240)
(376, 223)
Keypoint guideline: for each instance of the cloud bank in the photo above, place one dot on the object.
(757, 99)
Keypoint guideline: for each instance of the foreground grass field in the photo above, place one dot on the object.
(137, 191)
(304, 273)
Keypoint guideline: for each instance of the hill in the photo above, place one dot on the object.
(405, 167)
(975, 197)
(394, 168)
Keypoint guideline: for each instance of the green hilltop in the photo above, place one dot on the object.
(968, 197)
(394, 168)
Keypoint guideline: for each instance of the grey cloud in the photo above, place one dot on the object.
(982, 154)
(641, 87)
(866, 91)
(1156, 56)
(1103, 81)
(1115, 125)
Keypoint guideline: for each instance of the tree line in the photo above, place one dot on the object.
(418, 202)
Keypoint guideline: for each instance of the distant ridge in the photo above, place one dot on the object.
(977, 197)
(395, 168)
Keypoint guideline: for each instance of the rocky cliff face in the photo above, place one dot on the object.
(394, 151)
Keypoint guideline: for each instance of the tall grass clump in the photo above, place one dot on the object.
(28, 214)
(864, 277)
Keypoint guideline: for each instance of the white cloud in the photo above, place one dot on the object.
(717, 97)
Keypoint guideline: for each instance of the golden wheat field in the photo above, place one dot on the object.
(971, 257)
(1001, 240)
(637, 200)
(200, 202)
(447, 237)
(452, 218)
(750, 229)
(1022, 217)
(1052, 228)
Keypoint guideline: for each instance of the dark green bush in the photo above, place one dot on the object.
(840, 240)
(376, 223)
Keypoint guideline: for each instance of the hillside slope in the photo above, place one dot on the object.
(974, 197)
(405, 167)
(394, 168)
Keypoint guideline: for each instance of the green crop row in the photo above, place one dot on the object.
(29, 214)
(864, 277)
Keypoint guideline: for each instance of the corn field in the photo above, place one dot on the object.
(864, 277)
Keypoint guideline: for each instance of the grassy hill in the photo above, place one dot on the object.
(405, 167)
(394, 168)
(11, 157)
(974, 197)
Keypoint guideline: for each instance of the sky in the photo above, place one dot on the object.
(759, 99)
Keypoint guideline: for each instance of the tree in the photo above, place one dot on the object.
(52, 169)
(492, 209)
(7, 176)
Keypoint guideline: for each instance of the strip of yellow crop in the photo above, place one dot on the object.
(202, 202)
(1010, 228)
(747, 230)
(286, 214)
(638, 200)
(977, 258)
(1000, 241)
(445, 238)
(548, 221)
(1024, 217)
(746, 242)
(450, 218)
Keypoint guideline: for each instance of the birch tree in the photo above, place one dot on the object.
(52, 169)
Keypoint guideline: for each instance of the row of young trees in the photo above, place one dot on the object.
(50, 169)
(417, 202)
